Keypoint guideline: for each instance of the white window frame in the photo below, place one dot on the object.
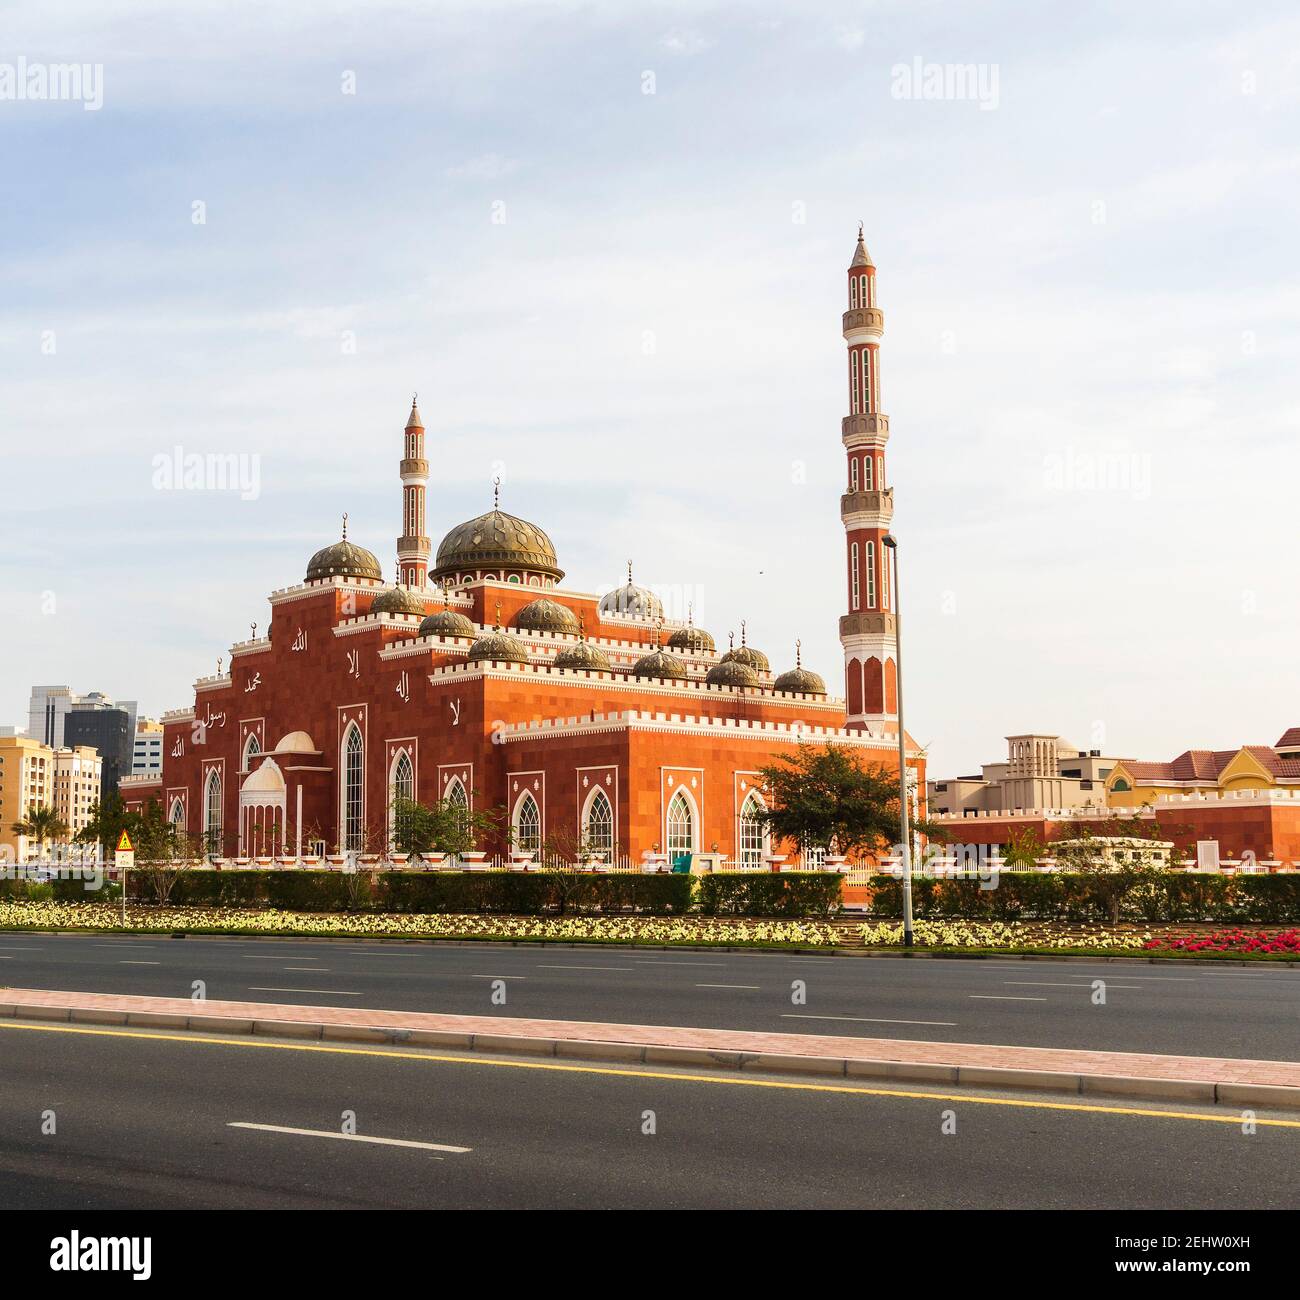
(871, 575)
(402, 753)
(854, 583)
(517, 824)
(352, 812)
(853, 474)
(595, 798)
(868, 473)
(752, 837)
(693, 822)
(212, 819)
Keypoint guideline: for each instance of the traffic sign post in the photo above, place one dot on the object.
(124, 860)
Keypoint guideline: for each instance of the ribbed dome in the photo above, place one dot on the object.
(499, 646)
(447, 622)
(632, 601)
(691, 638)
(397, 600)
(747, 655)
(546, 615)
(801, 681)
(343, 559)
(731, 672)
(583, 655)
(499, 541)
(659, 663)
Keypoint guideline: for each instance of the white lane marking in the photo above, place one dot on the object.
(1058, 984)
(1152, 979)
(542, 967)
(723, 964)
(728, 986)
(279, 956)
(271, 988)
(867, 1020)
(351, 1137)
(128, 961)
(11, 949)
(124, 945)
(498, 977)
(371, 952)
(1003, 997)
(315, 970)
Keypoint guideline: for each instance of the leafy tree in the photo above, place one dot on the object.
(41, 824)
(1023, 849)
(445, 826)
(820, 797)
(107, 820)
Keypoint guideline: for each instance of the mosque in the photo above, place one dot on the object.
(479, 678)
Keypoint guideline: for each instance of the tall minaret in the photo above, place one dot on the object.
(413, 545)
(868, 631)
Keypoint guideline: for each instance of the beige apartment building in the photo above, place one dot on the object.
(1039, 771)
(77, 774)
(26, 783)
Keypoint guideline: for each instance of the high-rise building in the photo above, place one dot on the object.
(76, 786)
(147, 757)
(26, 781)
(108, 728)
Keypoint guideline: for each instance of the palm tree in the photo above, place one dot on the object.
(41, 823)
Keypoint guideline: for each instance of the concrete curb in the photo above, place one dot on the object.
(616, 1053)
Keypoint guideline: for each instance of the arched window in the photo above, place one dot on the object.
(528, 825)
(853, 367)
(681, 825)
(868, 479)
(252, 747)
(853, 474)
(456, 795)
(212, 812)
(401, 785)
(752, 840)
(853, 572)
(871, 576)
(853, 293)
(1121, 785)
(177, 814)
(598, 826)
(353, 765)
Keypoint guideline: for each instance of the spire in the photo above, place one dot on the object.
(582, 627)
(629, 573)
(860, 255)
(345, 525)
(742, 631)
(496, 493)
(414, 420)
(798, 654)
(496, 627)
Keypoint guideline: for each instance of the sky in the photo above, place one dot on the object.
(606, 243)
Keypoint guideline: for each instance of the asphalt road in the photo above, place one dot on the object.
(1183, 1009)
(147, 1122)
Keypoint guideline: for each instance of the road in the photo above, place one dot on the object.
(1180, 1009)
(146, 1121)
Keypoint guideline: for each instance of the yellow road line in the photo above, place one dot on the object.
(196, 1039)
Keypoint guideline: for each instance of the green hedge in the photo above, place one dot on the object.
(767, 893)
(528, 893)
(1158, 898)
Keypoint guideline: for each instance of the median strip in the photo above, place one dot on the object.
(1245, 1083)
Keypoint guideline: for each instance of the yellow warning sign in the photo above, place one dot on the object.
(124, 845)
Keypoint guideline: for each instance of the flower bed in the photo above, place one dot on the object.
(48, 915)
(1003, 935)
(1238, 941)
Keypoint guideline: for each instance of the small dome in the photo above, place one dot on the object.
(659, 663)
(447, 622)
(801, 681)
(546, 615)
(583, 655)
(266, 777)
(691, 638)
(747, 655)
(296, 742)
(632, 601)
(497, 541)
(397, 600)
(500, 646)
(343, 559)
(731, 672)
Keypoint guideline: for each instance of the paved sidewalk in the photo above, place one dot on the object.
(974, 1064)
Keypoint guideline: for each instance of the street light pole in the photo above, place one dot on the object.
(905, 837)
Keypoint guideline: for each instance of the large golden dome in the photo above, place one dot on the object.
(497, 542)
(343, 559)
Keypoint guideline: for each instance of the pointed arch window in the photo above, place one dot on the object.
(401, 786)
(868, 477)
(681, 825)
(854, 590)
(871, 575)
(853, 293)
(177, 815)
(353, 805)
(457, 797)
(598, 826)
(252, 747)
(528, 825)
(212, 812)
(753, 839)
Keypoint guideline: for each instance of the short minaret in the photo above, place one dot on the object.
(868, 632)
(413, 545)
